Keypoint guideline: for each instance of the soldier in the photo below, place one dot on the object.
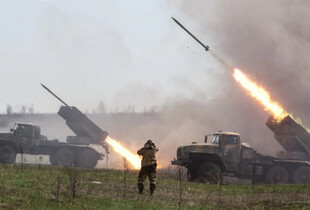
(148, 166)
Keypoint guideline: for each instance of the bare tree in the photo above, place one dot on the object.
(31, 109)
(101, 108)
(23, 109)
(9, 109)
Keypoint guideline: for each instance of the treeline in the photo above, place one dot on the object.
(19, 109)
(100, 109)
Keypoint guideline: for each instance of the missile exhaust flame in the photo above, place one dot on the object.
(261, 95)
(132, 158)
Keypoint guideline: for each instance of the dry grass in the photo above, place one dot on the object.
(52, 188)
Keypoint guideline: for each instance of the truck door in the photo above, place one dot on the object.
(231, 151)
(23, 136)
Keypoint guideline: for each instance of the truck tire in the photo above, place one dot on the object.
(191, 175)
(87, 158)
(208, 173)
(301, 175)
(64, 157)
(7, 154)
(277, 174)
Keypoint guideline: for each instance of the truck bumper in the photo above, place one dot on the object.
(179, 162)
(176, 162)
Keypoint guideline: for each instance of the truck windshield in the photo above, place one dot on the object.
(215, 139)
(15, 127)
(20, 128)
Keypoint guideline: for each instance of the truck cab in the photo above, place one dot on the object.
(221, 145)
(229, 148)
(221, 152)
(22, 137)
(24, 134)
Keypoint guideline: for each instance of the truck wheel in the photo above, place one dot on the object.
(64, 157)
(208, 173)
(301, 175)
(191, 175)
(87, 158)
(276, 174)
(7, 154)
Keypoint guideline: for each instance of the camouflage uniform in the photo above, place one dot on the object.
(148, 166)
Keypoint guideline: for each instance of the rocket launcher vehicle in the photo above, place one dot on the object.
(86, 131)
(292, 136)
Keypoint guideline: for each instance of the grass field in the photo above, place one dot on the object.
(44, 187)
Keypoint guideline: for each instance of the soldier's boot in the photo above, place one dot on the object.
(140, 187)
(152, 188)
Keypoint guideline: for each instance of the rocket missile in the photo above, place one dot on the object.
(206, 47)
(54, 95)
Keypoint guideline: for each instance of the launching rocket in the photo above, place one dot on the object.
(206, 47)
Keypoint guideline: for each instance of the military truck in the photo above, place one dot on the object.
(224, 154)
(26, 138)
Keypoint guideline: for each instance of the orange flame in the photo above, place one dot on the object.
(133, 159)
(261, 95)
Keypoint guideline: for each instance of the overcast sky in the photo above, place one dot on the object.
(120, 52)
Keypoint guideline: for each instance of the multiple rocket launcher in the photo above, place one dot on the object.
(292, 136)
(87, 132)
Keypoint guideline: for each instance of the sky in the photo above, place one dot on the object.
(123, 53)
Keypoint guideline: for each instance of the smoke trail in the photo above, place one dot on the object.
(219, 59)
